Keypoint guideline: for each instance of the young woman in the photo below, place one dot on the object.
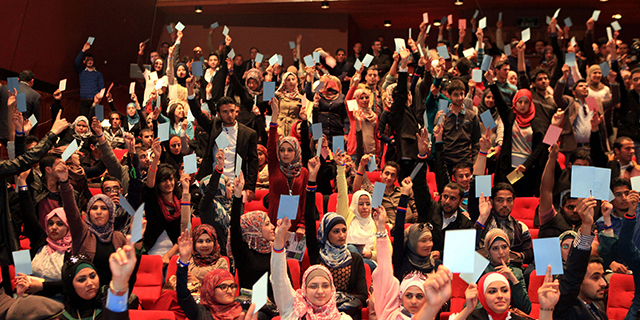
(177, 117)
(263, 169)
(205, 252)
(79, 131)
(487, 102)
(494, 293)
(328, 103)
(252, 107)
(158, 67)
(566, 241)
(290, 103)
(177, 78)
(367, 119)
(135, 117)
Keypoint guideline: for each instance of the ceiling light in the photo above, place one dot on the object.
(436, 23)
(387, 23)
(325, 5)
(604, 0)
(458, 2)
(198, 9)
(617, 16)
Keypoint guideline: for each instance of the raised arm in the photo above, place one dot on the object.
(310, 213)
(207, 207)
(546, 186)
(153, 167)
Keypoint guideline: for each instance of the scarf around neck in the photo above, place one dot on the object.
(361, 230)
(524, 119)
(202, 260)
(331, 255)
(304, 309)
(64, 243)
(293, 168)
(218, 310)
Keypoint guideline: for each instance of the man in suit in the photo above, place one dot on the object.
(251, 62)
(243, 141)
(380, 59)
(33, 104)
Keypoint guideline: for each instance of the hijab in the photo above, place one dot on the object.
(412, 279)
(202, 260)
(332, 87)
(74, 305)
(256, 75)
(103, 233)
(412, 235)
(292, 169)
(494, 235)
(483, 284)
(332, 256)
(223, 205)
(361, 230)
(64, 243)
(208, 297)
(524, 119)
(81, 135)
(304, 309)
(135, 119)
(291, 94)
(182, 81)
(251, 224)
(568, 234)
(266, 156)
(593, 85)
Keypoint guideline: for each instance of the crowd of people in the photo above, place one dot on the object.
(409, 112)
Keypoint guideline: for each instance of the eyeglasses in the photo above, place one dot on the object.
(565, 247)
(224, 287)
(423, 225)
(112, 190)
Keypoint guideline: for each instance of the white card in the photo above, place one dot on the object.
(132, 88)
(225, 31)
(482, 23)
(468, 53)
(616, 26)
(555, 15)
(352, 105)
(609, 33)
(526, 34)
(63, 85)
(179, 26)
(153, 76)
(596, 15)
(33, 120)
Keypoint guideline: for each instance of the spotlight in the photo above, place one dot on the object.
(198, 9)
(617, 16)
(325, 5)
(387, 23)
(458, 2)
(604, 0)
(436, 23)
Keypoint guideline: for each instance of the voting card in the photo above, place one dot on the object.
(232, 54)
(567, 22)
(462, 24)
(595, 15)
(546, 252)
(163, 131)
(526, 34)
(179, 26)
(14, 84)
(21, 101)
(514, 176)
(126, 205)
(483, 186)
(590, 182)
(214, 25)
(136, 225)
(238, 165)
(459, 249)
(288, 207)
(609, 33)
(552, 135)
(225, 31)
(378, 194)
(482, 23)
(292, 45)
(99, 112)
(90, 40)
(616, 26)
(190, 162)
(486, 62)
(63, 85)
(487, 120)
(555, 15)
(259, 292)
(259, 57)
(222, 141)
(592, 103)
(605, 69)
(316, 129)
(443, 52)
(468, 52)
(635, 183)
(308, 61)
(400, 44)
(196, 68)
(33, 120)
(443, 104)
(416, 169)
(475, 14)
(476, 75)
(132, 88)
(319, 146)
(316, 56)
(169, 29)
(570, 59)
(366, 61)
(338, 144)
(71, 148)
(507, 50)
(425, 17)
(269, 91)
(480, 263)
(352, 105)
(22, 262)
(372, 166)
(500, 16)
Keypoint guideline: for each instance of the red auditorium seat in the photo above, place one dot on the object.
(458, 287)
(256, 204)
(561, 160)
(151, 315)
(149, 280)
(294, 269)
(621, 290)
(332, 205)
(365, 311)
(195, 221)
(524, 209)
(95, 191)
(120, 153)
(535, 282)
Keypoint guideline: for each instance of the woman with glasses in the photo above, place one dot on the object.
(566, 241)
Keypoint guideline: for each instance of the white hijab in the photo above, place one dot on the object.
(361, 230)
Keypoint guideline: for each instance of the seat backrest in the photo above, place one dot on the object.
(524, 209)
(367, 270)
(151, 315)
(149, 273)
(535, 282)
(171, 268)
(294, 269)
(621, 290)
(458, 288)
(332, 205)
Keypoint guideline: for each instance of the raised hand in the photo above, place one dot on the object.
(238, 185)
(484, 206)
(86, 47)
(314, 166)
(61, 171)
(558, 118)
(423, 140)
(565, 71)
(380, 218)
(438, 130)
(585, 210)
(407, 184)
(282, 227)
(485, 141)
(96, 126)
(18, 120)
(549, 293)
(275, 109)
(156, 147)
(489, 76)
(471, 294)
(437, 288)
(59, 124)
(185, 246)
(122, 262)
(220, 159)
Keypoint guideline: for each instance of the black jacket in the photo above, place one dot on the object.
(404, 121)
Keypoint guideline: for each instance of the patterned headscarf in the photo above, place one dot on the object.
(492, 236)
(251, 224)
(568, 234)
(524, 119)
(332, 256)
(293, 168)
(256, 75)
(81, 135)
(103, 233)
(266, 158)
(208, 297)
(64, 243)
(412, 235)
(332, 87)
(202, 260)
(291, 94)
(304, 309)
(483, 284)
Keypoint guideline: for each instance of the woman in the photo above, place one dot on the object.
(328, 103)
(134, 115)
(316, 299)
(206, 252)
(177, 117)
(497, 246)
(263, 169)
(177, 79)
(566, 241)
(487, 102)
(494, 293)
(158, 67)
(219, 192)
(79, 131)
(86, 298)
(290, 103)
(252, 106)
(368, 120)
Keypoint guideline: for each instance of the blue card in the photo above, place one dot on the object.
(316, 128)
(546, 252)
(222, 141)
(259, 292)
(163, 131)
(71, 148)
(316, 56)
(444, 20)
(487, 120)
(190, 162)
(126, 205)
(476, 75)
(288, 207)
(273, 60)
(179, 26)
(259, 57)
(99, 112)
(480, 263)
(475, 14)
(416, 170)
(459, 249)
(507, 50)
(378, 194)
(443, 104)
(338, 143)
(22, 262)
(319, 147)
(366, 61)
(21, 101)
(486, 62)
(238, 165)
(225, 31)
(443, 52)
(232, 54)
(280, 60)
(483, 186)
(590, 181)
(214, 25)
(567, 22)
(500, 16)
(570, 59)
(196, 68)
(372, 164)
(90, 40)
(169, 29)
(292, 45)
(357, 65)
(605, 68)
(269, 90)
(136, 225)
(13, 84)
(308, 61)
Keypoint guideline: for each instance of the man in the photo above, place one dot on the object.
(146, 137)
(251, 62)
(33, 105)
(242, 140)
(461, 128)
(542, 99)
(91, 81)
(371, 82)
(380, 60)
(115, 134)
(629, 110)
(197, 53)
(238, 64)
(539, 47)
(623, 150)
(502, 73)
(357, 53)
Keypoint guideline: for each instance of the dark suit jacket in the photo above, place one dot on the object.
(33, 107)
(246, 146)
(404, 121)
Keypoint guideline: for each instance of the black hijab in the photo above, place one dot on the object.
(74, 305)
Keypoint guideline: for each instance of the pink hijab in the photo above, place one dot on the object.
(304, 309)
(64, 243)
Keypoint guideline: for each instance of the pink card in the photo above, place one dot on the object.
(462, 24)
(592, 103)
(552, 135)
(425, 17)
(450, 19)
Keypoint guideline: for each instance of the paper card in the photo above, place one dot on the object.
(259, 57)
(595, 15)
(378, 194)
(101, 93)
(316, 128)
(526, 34)
(443, 20)
(267, 119)
(238, 165)
(316, 56)
(352, 105)
(292, 45)
(555, 15)
(480, 263)
(259, 292)
(482, 23)
(190, 116)
(507, 50)
(400, 45)
(410, 33)
(573, 41)
(372, 164)
(13, 84)
(475, 14)
(443, 52)
(609, 33)
(425, 17)
(450, 19)
(486, 62)
(459, 249)
(308, 61)
(567, 22)
(190, 162)
(570, 59)
(169, 29)
(635, 183)
(483, 186)
(225, 31)
(153, 76)
(136, 224)
(366, 61)
(462, 24)
(592, 103)
(280, 60)
(605, 69)
(196, 68)
(552, 135)
(33, 120)
(214, 25)
(468, 52)
(443, 104)
(222, 141)
(416, 169)
(22, 262)
(357, 65)
(318, 87)
(159, 101)
(487, 120)
(476, 75)
(546, 252)
(232, 54)
(273, 60)
(132, 88)
(338, 144)
(616, 26)
(288, 207)
(548, 20)
(21, 101)
(159, 84)
(90, 40)
(500, 16)
(179, 26)
(514, 176)
(428, 29)
(163, 131)
(63, 85)
(319, 147)
(590, 182)
(71, 148)
(126, 205)
(269, 91)
(11, 150)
